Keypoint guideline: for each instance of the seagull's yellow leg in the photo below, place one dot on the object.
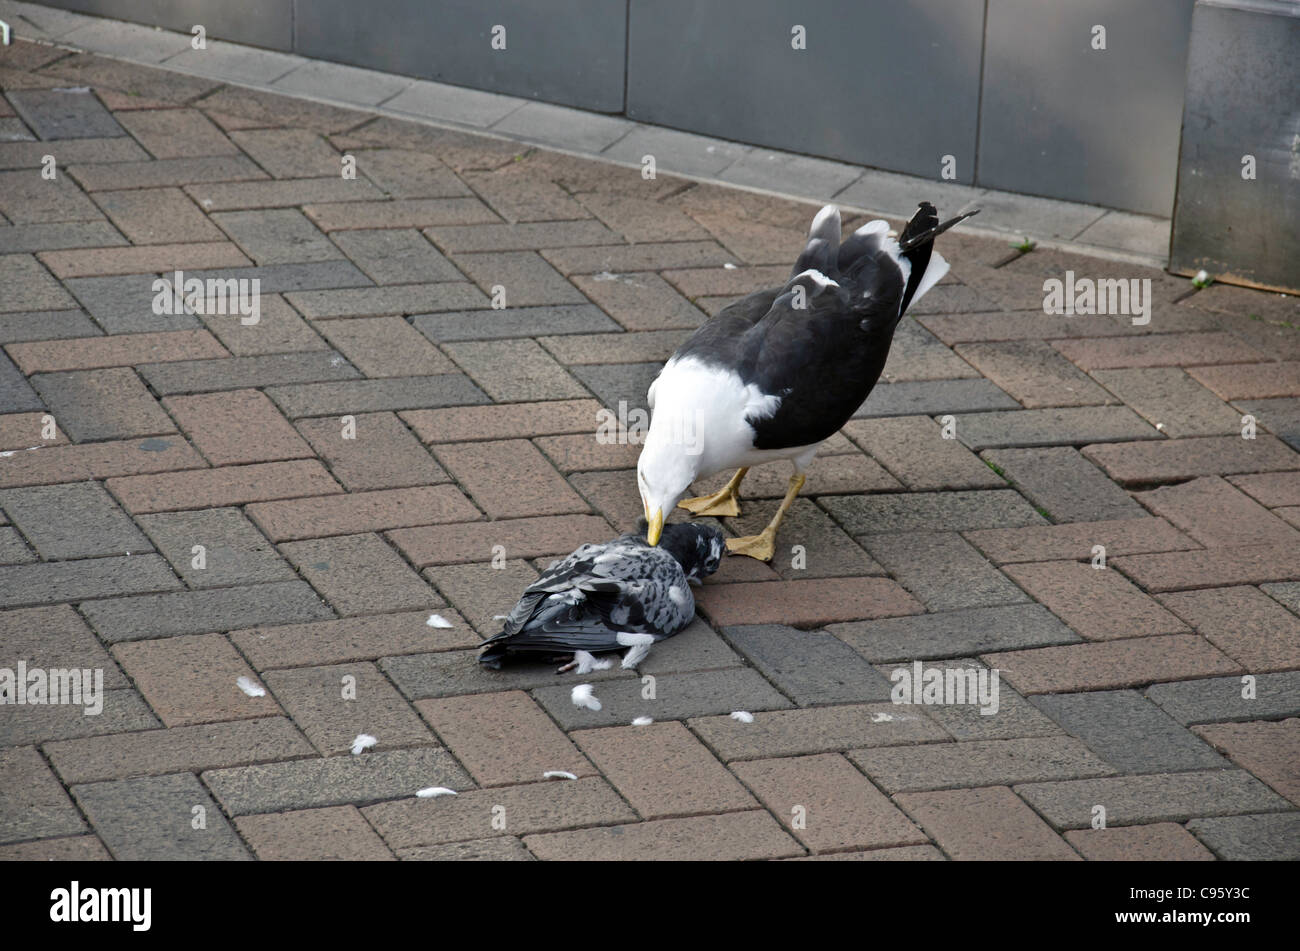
(726, 501)
(763, 545)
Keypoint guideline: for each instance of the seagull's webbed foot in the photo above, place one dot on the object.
(723, 503)
(763, 545)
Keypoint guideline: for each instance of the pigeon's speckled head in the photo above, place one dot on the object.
(696, 546)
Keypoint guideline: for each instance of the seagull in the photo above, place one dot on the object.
(776, 373)
(623, 593)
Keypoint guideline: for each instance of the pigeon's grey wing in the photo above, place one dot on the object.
(566, 574)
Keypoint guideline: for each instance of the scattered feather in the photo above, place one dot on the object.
(500, 617)
(583, 697)
(642, 721)
(437, 620)
(744, 716)
(587, 662)
(881, 717)
(557, 774)
(363, 742)
(729, 266)
(433, 791)
(248, 685)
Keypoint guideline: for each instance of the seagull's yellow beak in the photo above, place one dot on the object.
(656, 527)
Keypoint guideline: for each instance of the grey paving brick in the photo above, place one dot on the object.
(514, 322)
(527, 278)
(277, 236)
(32, 802)
(1016, 717)
(29, 286)
(179, 749)
(378, 301)
(45, 325)
(125, 304)
(151, 819)
(72, 520)
(200, 612)
(366, 396)
(1271, 837)
(52, 582)
(1169, 398)
(504, 849)
(59, 235)
(676, 696)
(1129, 732)
(384, 454)
(164, 172)
(1220, 699)
(815, 730)
(523, 236)
(1035, 373)
(360, 574)
(309, 783)
(52, 637)
(979, 763)
(1064, 483)
(531, 807)
(1157, 797)
(1068, 426)
(514, 371)
(650, 256)
(16, 394)
(237, 373)
(13, 550)
(955, 633)
(281, 193)
(1286, 593)
(396, 256)
(300, 276)
(68, 113)
(73, 151)
(932, 397)
(455, 673)
(943, 570)
(124, 710)
(828, 552)
(235, 552)
(315, 698)
(813, 667)
(931, 511)
(619, 382)
(102, 404)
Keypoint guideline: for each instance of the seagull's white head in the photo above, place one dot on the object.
(664, 471)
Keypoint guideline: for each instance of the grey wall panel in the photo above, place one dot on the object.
(1064, 120)
(884, 83)
(1243, 98)
(266, 23)
(564, 51)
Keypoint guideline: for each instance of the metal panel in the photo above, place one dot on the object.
(1243, 98)
(884, 83)
(563, 51)
(1065, 120)
(266, 23)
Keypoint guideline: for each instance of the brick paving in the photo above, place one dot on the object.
(1069, 502)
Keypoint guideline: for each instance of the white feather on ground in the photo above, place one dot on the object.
(744, 716)
(362, 743)
(583, 697)
(642, 721)
(431, 792)
(557, 774)
(587, 662)
(437, 620)
(881, 717)
(250, 687)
